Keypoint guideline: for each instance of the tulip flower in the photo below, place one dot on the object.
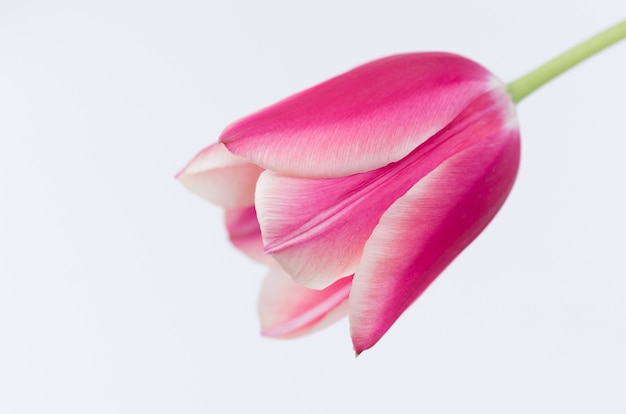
(358, 192)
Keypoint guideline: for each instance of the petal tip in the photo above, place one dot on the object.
(278, 332)
(180, 174)
(361, 346)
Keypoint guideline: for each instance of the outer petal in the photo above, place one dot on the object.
(287, 309)
(426, 229)
(317, 228)
(364, 119)
(245, 233)
(220, 177)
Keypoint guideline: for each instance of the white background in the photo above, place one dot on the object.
(119, 292)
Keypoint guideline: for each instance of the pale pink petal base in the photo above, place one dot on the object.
(287, 309)
(426, 229)
(220, 177)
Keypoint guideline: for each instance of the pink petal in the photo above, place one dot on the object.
(313, 228)
(361, 120)
(220, 177)
(317, 228)
(426, 229)
(245, 233)
(287, 309)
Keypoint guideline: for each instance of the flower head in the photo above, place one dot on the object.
(358, 192)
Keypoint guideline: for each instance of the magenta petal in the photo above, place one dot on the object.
(426, 229)
(317, 228)
(361, 120)
(220, 177)
(287, 309)
(245, 233)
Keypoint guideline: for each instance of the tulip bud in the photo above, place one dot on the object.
(359, 191)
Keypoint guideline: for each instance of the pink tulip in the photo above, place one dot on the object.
(359, 192)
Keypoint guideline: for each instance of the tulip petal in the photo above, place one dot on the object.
(245, 233)
(317, 228)
(312, 227)
(221, 177)
(287, 309)
(361, 120)
(426, 229)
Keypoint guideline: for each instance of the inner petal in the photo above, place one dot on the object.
(245, 233)
(287, 309)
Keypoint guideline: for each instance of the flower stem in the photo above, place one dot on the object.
(520, 88)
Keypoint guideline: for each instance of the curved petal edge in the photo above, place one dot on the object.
(287, 309)
(221, 177)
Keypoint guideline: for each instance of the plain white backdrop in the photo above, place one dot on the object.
(119, 292)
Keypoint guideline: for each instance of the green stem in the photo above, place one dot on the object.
(520, 88)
